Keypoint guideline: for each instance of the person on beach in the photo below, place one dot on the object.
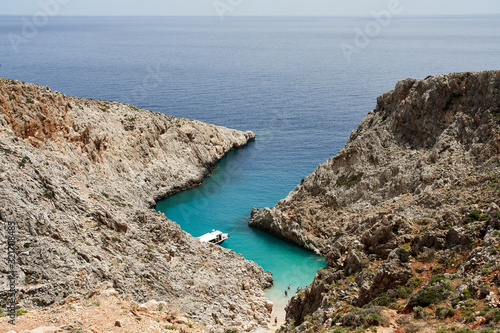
(275, 321)
(286, 293)
(288, 287)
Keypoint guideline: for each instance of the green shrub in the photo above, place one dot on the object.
(443, 312)
(349, 181)
(493, 315)
(231, 330)
(476, 215)
(420, 313)
(364, 317)
(382, 300)
(436, 278)
(20, 312)
(403, 255)
(29, 101)
(430, 295)
(404, 292)
(414, 282)
(467, 294)
(338, 330)
(498, 214)
(468, 309)
(170, 327)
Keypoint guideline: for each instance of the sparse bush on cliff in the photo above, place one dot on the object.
(23, 162)
(20, 312)
(349, 181)
(436, 278)
(420, 313)
(476, 215)
(338, 330)
(414, 282)
(403, 255)
(443, 312)
(493, 316)
(383, 300)
(404, 292)
(431, 294)
(365, 317)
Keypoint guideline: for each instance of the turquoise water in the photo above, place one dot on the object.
(224, 203)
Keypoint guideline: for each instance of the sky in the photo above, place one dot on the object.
(246, 7)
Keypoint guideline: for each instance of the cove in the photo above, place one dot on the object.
(224, 202)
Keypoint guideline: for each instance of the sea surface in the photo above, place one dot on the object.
(287, 79)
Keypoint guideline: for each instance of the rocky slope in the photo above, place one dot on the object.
(103, 311)
(80, 178)
(407, 213)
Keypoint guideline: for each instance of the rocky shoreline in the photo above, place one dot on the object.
(407, 215)
(80, 178)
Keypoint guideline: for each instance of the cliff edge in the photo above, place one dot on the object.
(80, 177)
(408, 210)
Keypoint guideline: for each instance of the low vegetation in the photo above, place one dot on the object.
(349, 181)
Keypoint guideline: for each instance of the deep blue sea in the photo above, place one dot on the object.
(286, 79)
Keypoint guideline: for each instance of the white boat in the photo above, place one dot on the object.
(214, 237)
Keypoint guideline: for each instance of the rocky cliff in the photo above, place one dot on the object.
(407, 213)
(80, 178)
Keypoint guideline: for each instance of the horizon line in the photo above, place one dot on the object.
(260, 16)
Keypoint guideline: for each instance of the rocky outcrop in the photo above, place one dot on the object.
(424, 135)
(80, 178)
(416, 183)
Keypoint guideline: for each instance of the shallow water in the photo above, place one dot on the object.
(224, 203)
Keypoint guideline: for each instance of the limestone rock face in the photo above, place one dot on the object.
(80, 178)
(423, 135)
(417, 182)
